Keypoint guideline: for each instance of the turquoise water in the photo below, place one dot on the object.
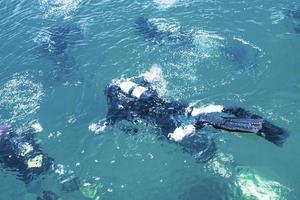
(65, 95)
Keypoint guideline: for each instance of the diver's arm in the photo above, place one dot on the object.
(244, 121)
(181, 132)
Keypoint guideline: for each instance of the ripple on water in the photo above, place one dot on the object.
(276, 15)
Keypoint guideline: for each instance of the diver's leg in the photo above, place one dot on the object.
(269, 131)
(240, 112)
(233, 110)
(175, 107)
(194, 112)
(255, 124)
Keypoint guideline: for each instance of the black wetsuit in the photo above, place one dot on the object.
(150, 107)
(162, 113)
(21, 154)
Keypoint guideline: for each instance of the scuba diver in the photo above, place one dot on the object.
(56, 40)
(131, 101)
(23, 155)
(167, 31)
(55, 43)
(160, 30)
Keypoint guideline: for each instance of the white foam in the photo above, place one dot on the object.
(253, 185)
(59, 7)
(164, 4)
(97, 128)
(153, 75)
(247, 43)
(37, 127)
(220, 165)
(60, 169)
(156, 78)
(166, 24)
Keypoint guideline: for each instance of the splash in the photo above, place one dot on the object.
(156, 78)
(20, 98)
(257, 187)
(99, 127)
(59, 7)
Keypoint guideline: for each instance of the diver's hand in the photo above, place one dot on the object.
(182, 132)
(208, 109)
(99, 127)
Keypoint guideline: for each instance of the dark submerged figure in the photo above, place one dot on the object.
(161, 31)
(23, 155)
(130, 101)
(55, 44)
(56, 39)
(294, 15)
(243, 54)
(150, 30)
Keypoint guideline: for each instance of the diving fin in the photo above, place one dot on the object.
(273, 133)
(231, 123)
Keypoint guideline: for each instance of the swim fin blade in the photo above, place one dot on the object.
(273, 133)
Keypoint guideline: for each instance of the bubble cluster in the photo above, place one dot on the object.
(255, 186)
(20, 98)
(208, 44)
